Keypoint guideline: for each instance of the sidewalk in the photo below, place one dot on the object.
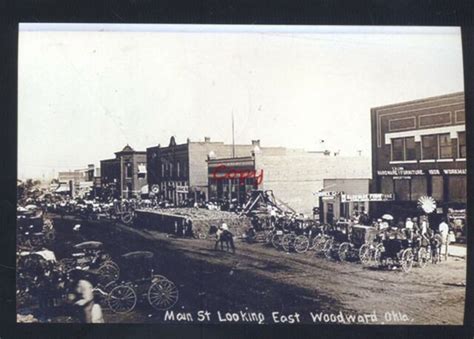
(455, 250)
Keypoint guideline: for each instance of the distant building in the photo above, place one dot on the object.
(77, 182)
(126, 174)
(179, 172)
(419, 149)
(294, 175)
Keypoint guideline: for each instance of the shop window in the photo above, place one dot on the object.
(457, 188)
(429, 146)
(162, 170)
(437, 187)
(387, 185)
(402, 189)
(410, 149)
(418, 187)
(462, 144)
(445, 146)
(171, 170)
(397, 149)
(178, 169)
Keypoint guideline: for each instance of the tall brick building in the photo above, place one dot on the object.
(126, 174)
(179, 171)
(419, 149)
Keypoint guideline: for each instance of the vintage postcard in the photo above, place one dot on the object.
(223, 174)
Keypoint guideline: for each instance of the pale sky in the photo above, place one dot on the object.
(84, 91)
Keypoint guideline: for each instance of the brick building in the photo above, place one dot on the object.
(179, 172)
(294, 175)
(419, 149)
(125, 175)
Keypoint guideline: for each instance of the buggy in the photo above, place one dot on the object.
(91, 255)
(336, 236)
(139, 283)
(396, 251)
(359, 238)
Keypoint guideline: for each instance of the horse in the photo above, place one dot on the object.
(435, 246)
(223, 237)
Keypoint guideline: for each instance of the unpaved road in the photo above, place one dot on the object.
(261, 279)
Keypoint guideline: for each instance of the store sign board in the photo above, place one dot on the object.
(366, 197)
(182, 189)
(397, 172)
(326, 194)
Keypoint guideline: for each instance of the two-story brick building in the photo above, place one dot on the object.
(125, 175)
(179, 172)
(419, 149)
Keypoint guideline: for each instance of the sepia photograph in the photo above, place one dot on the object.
(241, 174)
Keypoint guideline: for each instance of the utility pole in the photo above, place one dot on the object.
(233, 139)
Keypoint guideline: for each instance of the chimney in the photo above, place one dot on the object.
(256, 142)
(207, 139)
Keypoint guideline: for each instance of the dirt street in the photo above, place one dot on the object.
(261, 279)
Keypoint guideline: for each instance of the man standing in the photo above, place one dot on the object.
(409, 228)
(92, 311)
(444, 231)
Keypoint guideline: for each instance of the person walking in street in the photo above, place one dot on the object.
(409, 228)
(443, 229)
(92, 311)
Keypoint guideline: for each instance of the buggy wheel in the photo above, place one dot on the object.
(301, 244)
(162, 294)
(318, 243)
(276, 240)
(407, 260)
(343, 251)
(202, 236)
(423, 257)
(127, 217)
(286, 241)
(122, 299)
(108, 272)
(327, 248)
(364, 254)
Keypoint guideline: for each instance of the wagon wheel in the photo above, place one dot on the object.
(318, 243)
(343, 251)
(66, 264)
(364, 254)
(301, 244)
(162, 294)
(122, 299)
(423, 257)
(407, 260)
(327, 247)
(286, 241)
(276, 240)
(101, 293)
(127, 217)
(107, 273)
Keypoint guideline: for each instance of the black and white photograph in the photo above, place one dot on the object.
(241, 174)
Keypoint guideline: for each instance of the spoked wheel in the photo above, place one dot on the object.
(343, 251)
(101, 293)
(276, 240)
(407, 260)
(287, 242)
(162, 294)
(327, 248)
(107, 273)
(423, 257)
(127, 217)
(202, 236)
(318, 243)
(364, 254)
(301, 244)
(122, 299)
